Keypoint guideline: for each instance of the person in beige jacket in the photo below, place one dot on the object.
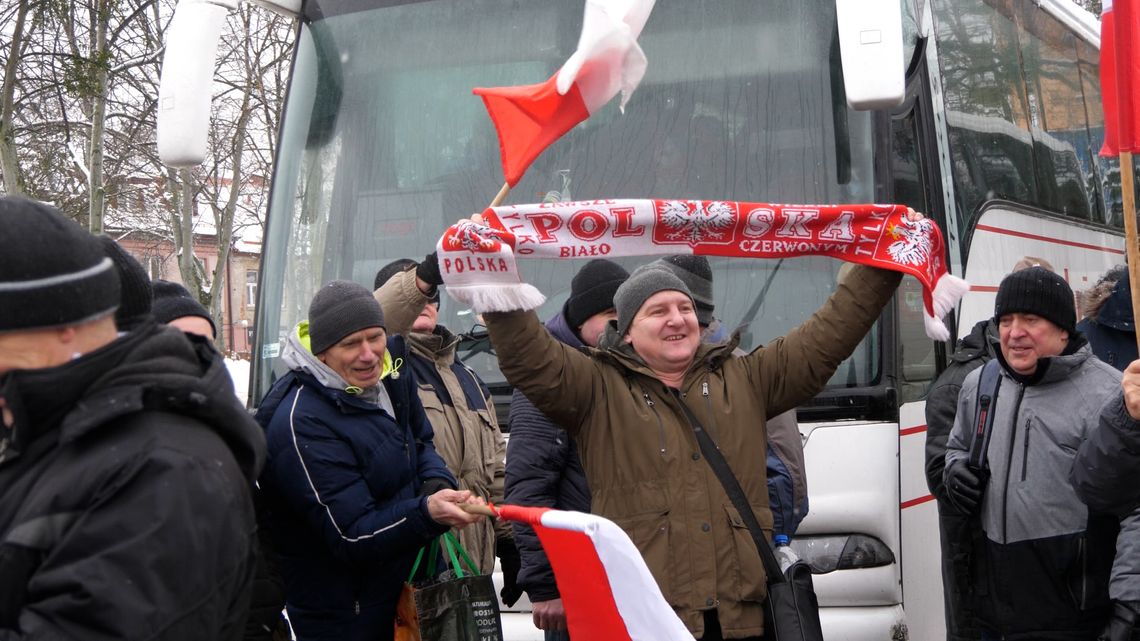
(623, 404)
(458, 406)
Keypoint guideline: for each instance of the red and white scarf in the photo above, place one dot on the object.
(479, 268)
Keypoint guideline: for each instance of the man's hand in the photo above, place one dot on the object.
(1122, 625)
(963, 486)
(1130, 383)
(428, 277)
(510, 563)
(443, 507)
(549, 615)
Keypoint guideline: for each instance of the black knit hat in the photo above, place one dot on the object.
(696, 273)
(644, 282)
(1038, 291)
(53, 272)
(592, 290)
(339, 309)
(134, 308)
(395, 267)
(172, 301)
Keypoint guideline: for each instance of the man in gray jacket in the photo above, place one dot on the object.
(1040, 558)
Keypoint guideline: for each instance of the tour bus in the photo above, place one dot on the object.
(993, 132)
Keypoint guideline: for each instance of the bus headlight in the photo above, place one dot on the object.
(842, 552)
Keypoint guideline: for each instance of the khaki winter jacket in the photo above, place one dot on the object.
(642, 461)
(460, 411)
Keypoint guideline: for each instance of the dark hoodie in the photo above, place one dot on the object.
(126, 509)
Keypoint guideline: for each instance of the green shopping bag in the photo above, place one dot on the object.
(455, 605)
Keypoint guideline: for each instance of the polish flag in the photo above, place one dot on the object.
(608, 60)
(606, 590)
(1119, 77)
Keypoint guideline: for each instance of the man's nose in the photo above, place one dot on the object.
(366, 354)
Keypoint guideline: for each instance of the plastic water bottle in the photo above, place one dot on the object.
(785, 555)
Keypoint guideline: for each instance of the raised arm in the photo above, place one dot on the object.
(402, 301)
(793, 369)
(561, 381)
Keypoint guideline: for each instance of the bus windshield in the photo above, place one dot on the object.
(383, 146)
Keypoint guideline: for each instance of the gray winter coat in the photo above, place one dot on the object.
(1040, 570)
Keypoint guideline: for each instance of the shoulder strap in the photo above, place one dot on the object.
(984, 408)
(735, 493)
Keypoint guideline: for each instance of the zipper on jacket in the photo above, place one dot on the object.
(708, 405)
(1025, 452)
(1009, 466)
(660, 425)
(356, 606)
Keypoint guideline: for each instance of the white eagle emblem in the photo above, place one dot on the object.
(698, 223)
(473, 237)
(914, 244)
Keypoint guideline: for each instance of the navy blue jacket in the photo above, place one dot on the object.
(543, 469)
(1111, 332)
(345, 482)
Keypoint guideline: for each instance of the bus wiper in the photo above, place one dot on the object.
(476, 341)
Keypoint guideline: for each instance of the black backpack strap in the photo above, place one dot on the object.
(985, 406)
(735, 493)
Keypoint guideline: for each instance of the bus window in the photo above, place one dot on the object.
(1061, 146)
(916, 353)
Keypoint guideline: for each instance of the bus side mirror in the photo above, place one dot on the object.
(187, 80)
(871, 48)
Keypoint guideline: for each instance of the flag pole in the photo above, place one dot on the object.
(475, 508)
(1127, 189)
(501, 195)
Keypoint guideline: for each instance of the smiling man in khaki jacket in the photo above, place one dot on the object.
(623, 404)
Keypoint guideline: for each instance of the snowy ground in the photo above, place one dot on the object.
(239, 371)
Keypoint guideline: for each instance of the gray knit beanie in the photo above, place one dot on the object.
(644, 282)
(339, 309)
(696, 273)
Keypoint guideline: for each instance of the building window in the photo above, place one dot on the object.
(251, 288)
(154, 267)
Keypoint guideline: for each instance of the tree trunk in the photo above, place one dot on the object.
(187, 263)
(9, 164)
(96, 189)
(225, 222)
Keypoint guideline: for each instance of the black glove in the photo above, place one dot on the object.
(510, 563)
(1122, 625)
(963, 486)
(428, 270)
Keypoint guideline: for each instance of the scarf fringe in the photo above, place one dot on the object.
(947, 292)
(498, 298)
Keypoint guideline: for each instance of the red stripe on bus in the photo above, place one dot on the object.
(919, 429)
(983, 288)
(913, 502)
(1048, 239)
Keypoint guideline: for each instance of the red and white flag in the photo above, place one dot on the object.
(478, 262)
(1120, 76)
(606, 589)
(608, 60)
